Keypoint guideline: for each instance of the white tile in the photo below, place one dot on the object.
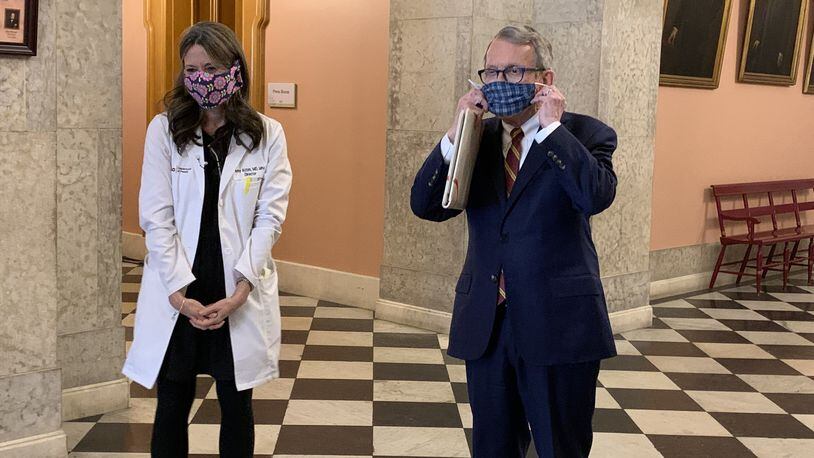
(107, 455)
(75, 431)
(731, 350)
(604, 400)
(443, 341)
(807, 420)
(804, 327)
(712, 297)
(341, 338)
(343, 312)
(615, 445)
(138, 270)
(297, 301)
(457, 373)
(775, 448)
(410, 391)
(803, 366)
(734, 314)
(327, 412)
(794, 297)
(407, 355)
(276, 389)
(737, 402)
(131, 287)
(768, 305)
(465, 412)
(401, 441)
(695, 324)
(337, 370)
(779, 383)
(291, 352)
(624, 347)
(686, 364)
(128, 307)
(387, 326)
(296, 323)
(654, 335)
(142, 410)
(129, 321)
(680, 303)
(204, 438)
(635, 379)
(776, 338)
(678, 423)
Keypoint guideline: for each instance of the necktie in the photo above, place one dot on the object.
(511, 167)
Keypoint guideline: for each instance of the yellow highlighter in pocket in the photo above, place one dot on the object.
(247, 183)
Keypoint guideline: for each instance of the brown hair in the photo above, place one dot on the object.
(184, 113)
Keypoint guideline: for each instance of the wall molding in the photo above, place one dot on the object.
(98, 398)
(328, 285)
(53, 444)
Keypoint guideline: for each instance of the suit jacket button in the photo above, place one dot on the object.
(493, 278)
(551, 154)
(562, 166)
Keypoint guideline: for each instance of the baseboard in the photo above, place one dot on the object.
(328, 285)
(53, 444)
(133, 246)
(96, 399)
(437, 321)
(685, 284)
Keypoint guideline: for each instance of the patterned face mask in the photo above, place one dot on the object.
(508, 99)
(211, 90)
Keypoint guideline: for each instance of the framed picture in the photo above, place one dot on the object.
(771, 46)
(18, 27)
(808, 88)
(692, 44)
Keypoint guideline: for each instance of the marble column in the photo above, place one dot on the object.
(606, 58)
(90, 337)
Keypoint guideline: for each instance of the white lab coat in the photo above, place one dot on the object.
(252, 204)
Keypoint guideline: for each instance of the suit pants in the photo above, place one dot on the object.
(508, 395)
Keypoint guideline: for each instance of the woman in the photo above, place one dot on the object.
(214, 193)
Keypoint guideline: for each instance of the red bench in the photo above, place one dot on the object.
(773, 207)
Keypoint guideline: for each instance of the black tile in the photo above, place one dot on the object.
(658, 324)
(743, 296)
(289, 369)
(129, 297)
(763, 425)
(757, 366)
(92, 419)
(202, 386)
(265, 411)
(342, 324)
(461, 392)
(297, 311)
(808, 336)
(412, 372)
(126, 269)
(613, 421)
(452, 361)
(416, 414)
(208, 413)
(715, 304)
(793, 403)
(138, 391)
(804, 306)
(789, 351)
(653, 399)
(117, 438)
(322, 303)
(699, 446)
(283, 293)
(131, 278)
(676, 312)
(332, 440)
(128, 334)
(788, 289)
(337, 353)
(294, 337)
(395, 339)
(753, 325)
(668, 349)
(709, 382)
(339, 390)
(712, 336)
(468, 433)
(786, 315)
(628, 363)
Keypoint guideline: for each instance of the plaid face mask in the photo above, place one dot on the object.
(211, 90)
(508, 99)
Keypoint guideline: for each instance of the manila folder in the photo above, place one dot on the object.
(465, 153)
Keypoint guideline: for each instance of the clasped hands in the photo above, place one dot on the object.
(212, 316)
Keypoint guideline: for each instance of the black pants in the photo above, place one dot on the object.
(170, 436)
(507, 394)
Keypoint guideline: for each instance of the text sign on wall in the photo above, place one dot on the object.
(282, 95)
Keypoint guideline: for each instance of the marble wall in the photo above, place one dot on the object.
(60, 222)
(606, 60)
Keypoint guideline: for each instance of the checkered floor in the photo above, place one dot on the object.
(721, 373)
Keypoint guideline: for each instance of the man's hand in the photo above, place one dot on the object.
(550, 105)
(473, 100)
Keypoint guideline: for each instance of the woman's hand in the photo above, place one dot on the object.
(190, 308)
(215, 314)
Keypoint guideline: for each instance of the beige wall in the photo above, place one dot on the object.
(739, 132)
(336, 52)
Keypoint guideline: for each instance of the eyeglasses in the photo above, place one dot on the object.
(512, 73)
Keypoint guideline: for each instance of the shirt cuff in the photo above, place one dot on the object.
(447, 149)
(543, 133)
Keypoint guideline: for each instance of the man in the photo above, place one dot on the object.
(529, 317)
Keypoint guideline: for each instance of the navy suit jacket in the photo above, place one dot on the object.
(540, 236)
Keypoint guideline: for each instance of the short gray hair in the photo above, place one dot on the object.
(526, 35)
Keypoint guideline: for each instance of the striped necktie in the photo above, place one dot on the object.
(511, 168)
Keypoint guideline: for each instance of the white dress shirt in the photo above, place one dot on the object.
(531, 133)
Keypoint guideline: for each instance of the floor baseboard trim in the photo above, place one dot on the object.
(328, 285)
(628, 320)
(85, 401)
(133, 246)
(685, 284)
(53, 444)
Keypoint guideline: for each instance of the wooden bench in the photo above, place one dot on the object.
(773, 207)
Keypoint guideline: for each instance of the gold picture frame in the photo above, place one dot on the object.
(18, 27)
(808, 87)
(770, 35)
(693, 42)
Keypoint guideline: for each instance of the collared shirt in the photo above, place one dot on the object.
(531, 130)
